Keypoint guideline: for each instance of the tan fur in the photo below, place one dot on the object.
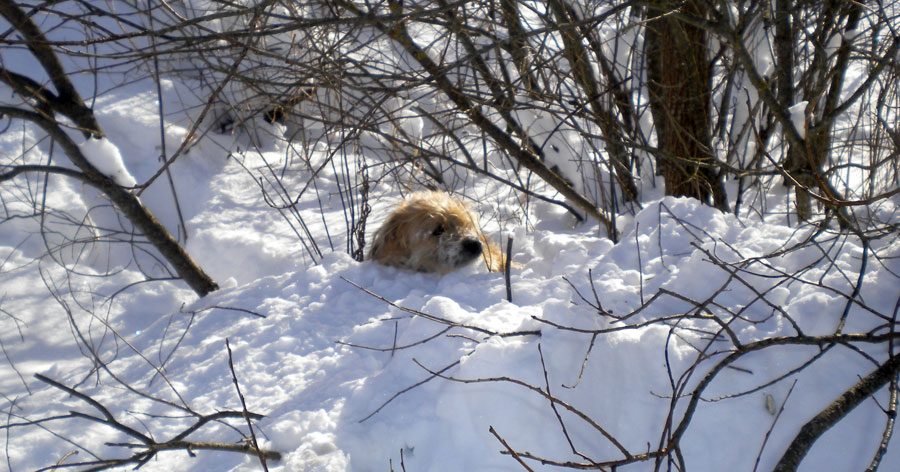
(433, 232)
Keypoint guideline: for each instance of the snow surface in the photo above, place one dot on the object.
(105, 156)
(310, 348)
(797, 114)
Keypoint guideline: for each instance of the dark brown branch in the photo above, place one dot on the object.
(507, 267)
(510, 450)
(149, 447)
(108, 417)
(213, 417)
(149, 451)
(244, 448)
(23, 169)
(126, 202)
(68, 102)
(814, 428)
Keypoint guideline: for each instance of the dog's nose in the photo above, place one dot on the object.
(472, 246)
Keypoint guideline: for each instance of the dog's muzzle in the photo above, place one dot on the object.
(471, 247)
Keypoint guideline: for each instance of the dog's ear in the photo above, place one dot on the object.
(388, 231)
(385, 240)
(376, 245)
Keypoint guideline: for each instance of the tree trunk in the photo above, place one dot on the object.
(679, 84)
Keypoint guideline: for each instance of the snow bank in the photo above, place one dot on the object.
(346, 380)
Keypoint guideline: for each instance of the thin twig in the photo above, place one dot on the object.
(772, 426)
(401, 392)
(253, 441)
(559, 419)
(394, 347)
(506, 268)
(148, 446)
(584, 417)
(637, 248)
(510, 449)
(440, 320)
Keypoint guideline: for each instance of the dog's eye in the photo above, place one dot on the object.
(438, 231)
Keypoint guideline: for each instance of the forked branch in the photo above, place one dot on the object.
(147, 448)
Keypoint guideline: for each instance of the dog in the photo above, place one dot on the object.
(433, 232)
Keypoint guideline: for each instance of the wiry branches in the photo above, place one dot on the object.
(147, 446)
(438, 93)
(67, 101)
(559, 91)
(46, 115)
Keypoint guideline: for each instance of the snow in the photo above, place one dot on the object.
(797, 114)
(312, 350)
(328, 406)
(105, 156)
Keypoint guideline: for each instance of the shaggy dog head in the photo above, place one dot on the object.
(432, 232)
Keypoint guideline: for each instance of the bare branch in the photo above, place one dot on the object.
(833, 413)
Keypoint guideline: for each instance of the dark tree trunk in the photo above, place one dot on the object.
(679, 84)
